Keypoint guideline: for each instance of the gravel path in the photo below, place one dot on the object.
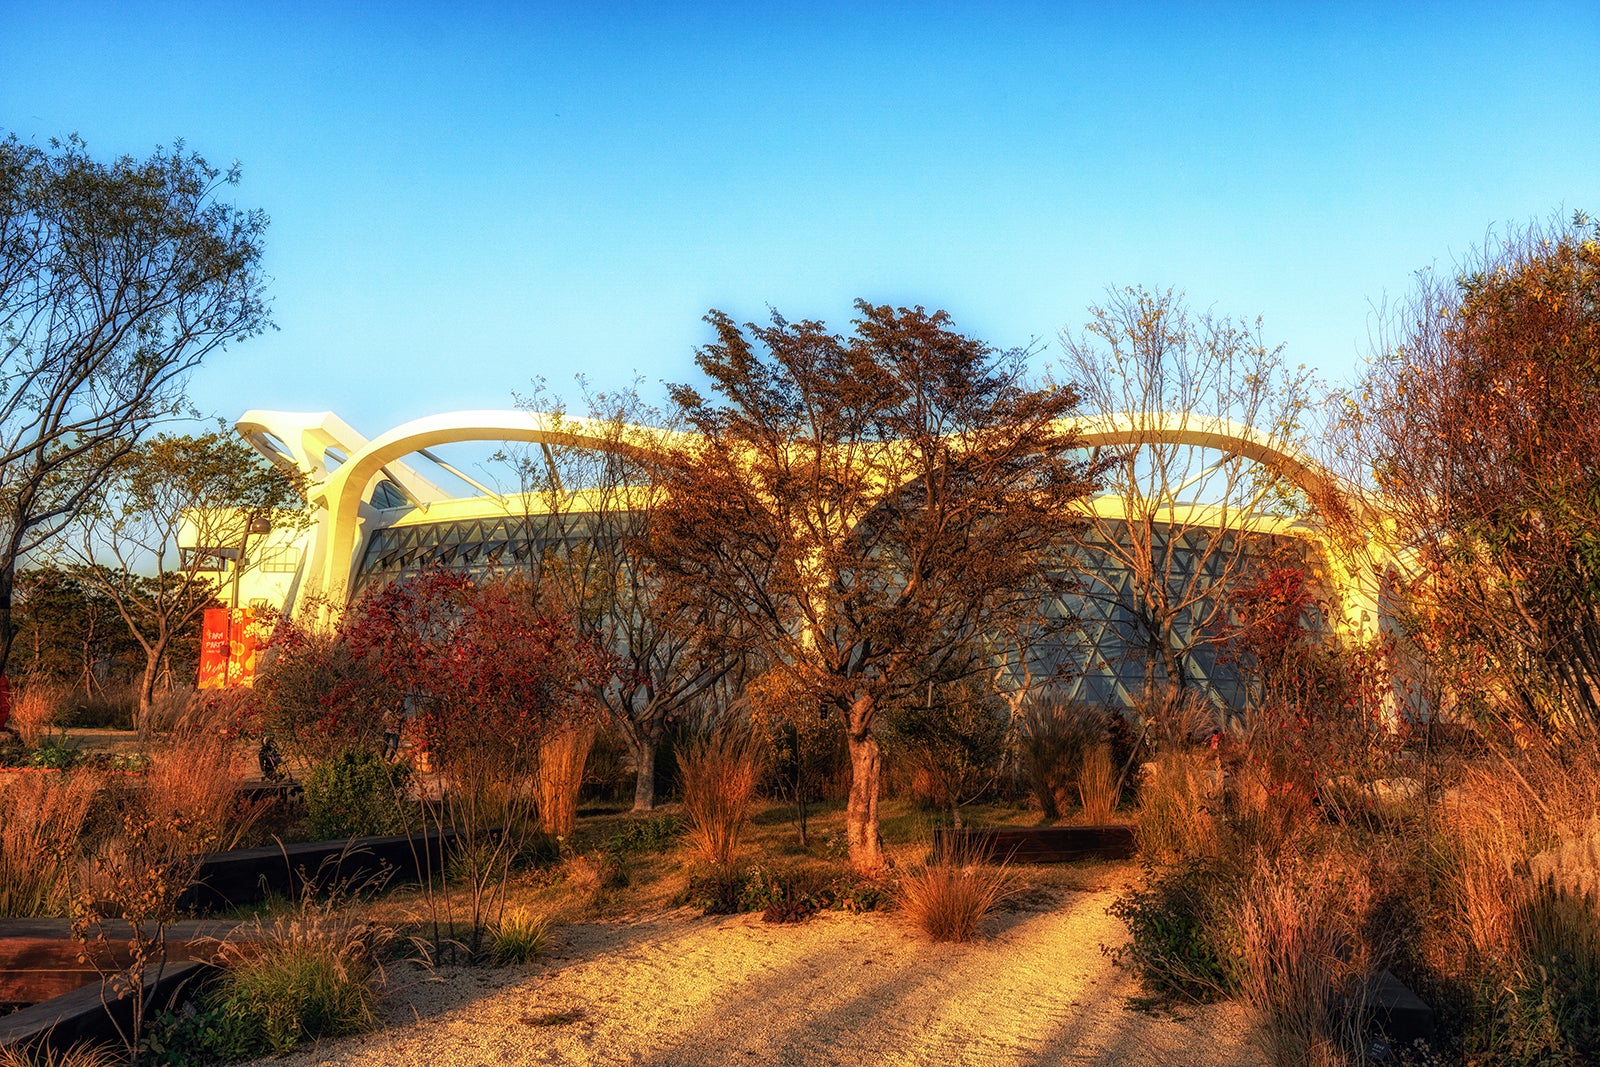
(683, 991)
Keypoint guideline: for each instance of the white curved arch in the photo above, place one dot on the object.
(344, 491)
(1224, 435)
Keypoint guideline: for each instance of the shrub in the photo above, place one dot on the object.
(947, 897)
(782, 894)
(719, 777)
(355, 794)
(520, 936)
(313, 975)
(41, 818)
(1177, 945)
(654, 833)
(1054, 737)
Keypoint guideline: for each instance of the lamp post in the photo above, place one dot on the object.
(257, 525)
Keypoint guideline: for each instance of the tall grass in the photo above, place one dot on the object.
(719, 773)
(41, 819)
(1097, 784)
(314, 974)
(35, 708)
(562, 756)
(191, 794)
(1175, 818)
(948, 897)
(1301, 967)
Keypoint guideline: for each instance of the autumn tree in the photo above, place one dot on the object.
(116, 280)
(1177, 526)
(863, 506)
(1477, 426)
(216, 490)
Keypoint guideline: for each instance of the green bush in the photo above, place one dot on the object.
(355, 794)
(311, 979)
(782, 894)
(654, 833)
(56, 754)
(1176, 945)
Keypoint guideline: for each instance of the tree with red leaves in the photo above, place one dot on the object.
(482, 667)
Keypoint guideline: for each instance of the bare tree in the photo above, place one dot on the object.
(866, 507)
(1176, 528)
(593, 509)
(116, 280)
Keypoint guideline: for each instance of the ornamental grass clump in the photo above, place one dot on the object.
(521, 936)
(719, 774)
(949, 896)
(562, 755)
(316, 974)
(1302, 966)
(35, 707)
(78, 1055)
(1097, 784)
(41, 818)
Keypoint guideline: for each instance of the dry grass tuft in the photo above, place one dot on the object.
(34, 710)
(948, 897)
(79, 1055)
(562, 756)
(41, 818)
(1175, 817)
(1097, 784)
(719, 774)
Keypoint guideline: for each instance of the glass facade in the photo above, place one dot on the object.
(1106, 660)
(475, 547)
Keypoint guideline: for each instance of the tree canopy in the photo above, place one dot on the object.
(116, 280)
(866, 506)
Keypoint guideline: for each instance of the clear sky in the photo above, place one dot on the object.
(464, 196)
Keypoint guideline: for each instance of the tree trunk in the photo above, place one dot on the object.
(7, 583)
(866, 771)
(147, 687)
(645, 745)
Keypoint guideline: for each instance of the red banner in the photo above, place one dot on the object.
(230, 643)
(214, 649)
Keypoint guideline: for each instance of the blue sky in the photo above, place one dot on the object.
(464, 196)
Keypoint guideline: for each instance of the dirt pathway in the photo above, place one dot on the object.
(683, 991)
